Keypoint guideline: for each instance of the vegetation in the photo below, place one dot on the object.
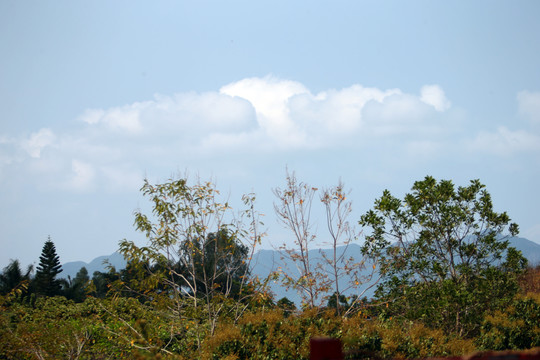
(315, 282)
(444, 255)
(49, 266)
(449, 284)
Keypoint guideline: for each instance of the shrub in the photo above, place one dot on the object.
(516, 327)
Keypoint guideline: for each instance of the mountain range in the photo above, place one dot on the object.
(266, 261)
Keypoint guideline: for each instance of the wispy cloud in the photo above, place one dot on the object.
(529, 105)
(506, 143)
(37, 141)
(82, 176)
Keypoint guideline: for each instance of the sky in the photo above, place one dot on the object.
(96, 96)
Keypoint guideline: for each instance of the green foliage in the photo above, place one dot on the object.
(58, 328)
(286, 305)
(13, 279)
(76, 289)
(337, 301)
(102, 281)
(197, 254)
(516, 327)
(443, 254)
(219, 257)
(395, 339)
(49, 266)
(269, 335)
(450, 285)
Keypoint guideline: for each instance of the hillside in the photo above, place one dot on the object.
(266, 261)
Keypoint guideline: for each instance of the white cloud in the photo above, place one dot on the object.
(292, 117)
(92, 116)
(254, 115)
(505, 142)
(37, 141)
(334, 114)
(433, 95)
(269, 96)
(529, 105)
(124, 119)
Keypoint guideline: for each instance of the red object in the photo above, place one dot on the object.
(325, 349)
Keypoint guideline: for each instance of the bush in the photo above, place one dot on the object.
(517, 327)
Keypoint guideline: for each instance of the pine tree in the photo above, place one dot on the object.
(49, 266)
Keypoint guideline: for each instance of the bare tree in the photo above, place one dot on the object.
(342, 234)
(294, 212)
(314, 279)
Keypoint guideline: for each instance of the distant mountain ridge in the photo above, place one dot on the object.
(98, 264)
(266, 261)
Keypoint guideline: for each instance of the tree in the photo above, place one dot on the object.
(314, 279)
(102, 281)
(75, 289)
(294, 212)
(49, 266)
(337, 302)
(286, 305)
(198, 251)
(219, 257)
(444, 254)
(13, 278)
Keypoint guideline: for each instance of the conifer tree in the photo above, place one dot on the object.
(49, 266)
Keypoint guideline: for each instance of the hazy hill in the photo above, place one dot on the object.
(98, 264)
(529, 249)
(266, 261)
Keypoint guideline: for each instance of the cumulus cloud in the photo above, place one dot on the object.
(333, 115)
(262, 113)
(269, 96)
(433, 95)
(293, 117)
(252, 115)
(529, 105)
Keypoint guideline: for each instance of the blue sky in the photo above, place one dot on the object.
(97, 95)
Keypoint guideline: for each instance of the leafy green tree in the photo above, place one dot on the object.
(75, 289)
(102, 281)
(286, 305)
(198, 249)
(219, 257)
(334, 303)
(444, 254)
(12, 278)
(49, 266)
